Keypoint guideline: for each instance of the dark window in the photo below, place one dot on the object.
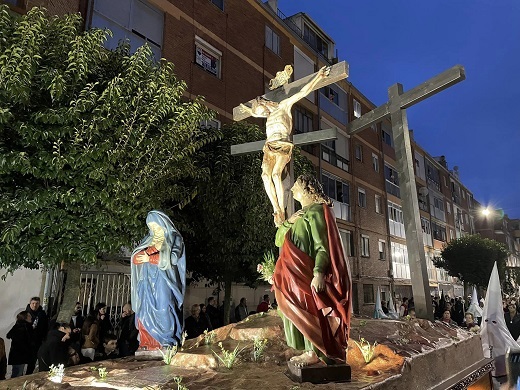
(332, 95)
(336, 189)
(302, 120)
(359, 152)
(219, 3)
(368, 293)
(387, 138)
(315, 41)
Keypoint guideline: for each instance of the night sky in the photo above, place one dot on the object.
(474, 123)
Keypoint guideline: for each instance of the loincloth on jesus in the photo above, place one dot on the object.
(277, 148)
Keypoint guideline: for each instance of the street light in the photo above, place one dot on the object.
(485, 212)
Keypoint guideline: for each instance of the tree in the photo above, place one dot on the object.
(232, 216)
(90, 141)
(471, 259)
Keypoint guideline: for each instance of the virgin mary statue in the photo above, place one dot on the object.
(159, 283)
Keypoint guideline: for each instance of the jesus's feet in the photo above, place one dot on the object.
(305, 359)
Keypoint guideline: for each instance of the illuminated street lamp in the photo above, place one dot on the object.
(485, 212)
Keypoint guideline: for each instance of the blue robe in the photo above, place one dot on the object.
(158, 290)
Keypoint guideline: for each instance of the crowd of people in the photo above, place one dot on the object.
(211, 316)
(36, 339)
(452, 311)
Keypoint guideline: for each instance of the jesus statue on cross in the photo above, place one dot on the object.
(278, 146)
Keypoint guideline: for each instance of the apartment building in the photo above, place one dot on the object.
(228, 50)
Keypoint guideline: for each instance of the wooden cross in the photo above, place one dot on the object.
(337, 72)
(395, 108)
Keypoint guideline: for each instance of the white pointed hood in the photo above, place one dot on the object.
(494, 332)
(474, 307)
(392, 314)
(378, 310)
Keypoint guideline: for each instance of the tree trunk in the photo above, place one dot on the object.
(70, 293)
(227, 300)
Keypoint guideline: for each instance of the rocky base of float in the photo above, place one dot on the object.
(415, 354)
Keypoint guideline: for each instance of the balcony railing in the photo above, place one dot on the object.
(293, 26)
(393, 189)
(342, 211)
(332, 158)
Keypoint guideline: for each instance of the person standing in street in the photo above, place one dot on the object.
(40, 324)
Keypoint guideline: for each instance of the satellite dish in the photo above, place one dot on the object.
(423, 191)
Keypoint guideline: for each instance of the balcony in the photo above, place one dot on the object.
(332, 109)
(342, 211)
(433, 184)
(294, 27)
(332, 158)
(401, 271)
(393, 189)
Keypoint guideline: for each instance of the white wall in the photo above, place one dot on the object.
(16, 290)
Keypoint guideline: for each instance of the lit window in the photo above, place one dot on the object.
(382, 250)
(378, 204)
(375, 162)
(208, 57)
(272, 40)
(357, 109)
(365, 246)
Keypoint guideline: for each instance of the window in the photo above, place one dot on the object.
(339, 190)
(387, 138)
(432, 175)
(445, 181)
(392, 181)
(315, 41)
(368, 293)
(332, 95)
(359, 152)
(347, 239)
(362, 198)
(439, 232)
(208, 57)
(448, 208)
(382, 250)
(375, 162)
(396, 220)
(211, 123)
(219, 3)
(134, 20)
(365, 246)
(357, 109)
(438, 203)
(378, 204)
(272, 40)
(302, 120)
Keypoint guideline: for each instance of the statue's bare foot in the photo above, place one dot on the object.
(305, 359)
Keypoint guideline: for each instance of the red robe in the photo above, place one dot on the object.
(323, 318)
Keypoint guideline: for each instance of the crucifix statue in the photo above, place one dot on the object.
(276, 108)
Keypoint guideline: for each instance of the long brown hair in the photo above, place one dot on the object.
(313, 187)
